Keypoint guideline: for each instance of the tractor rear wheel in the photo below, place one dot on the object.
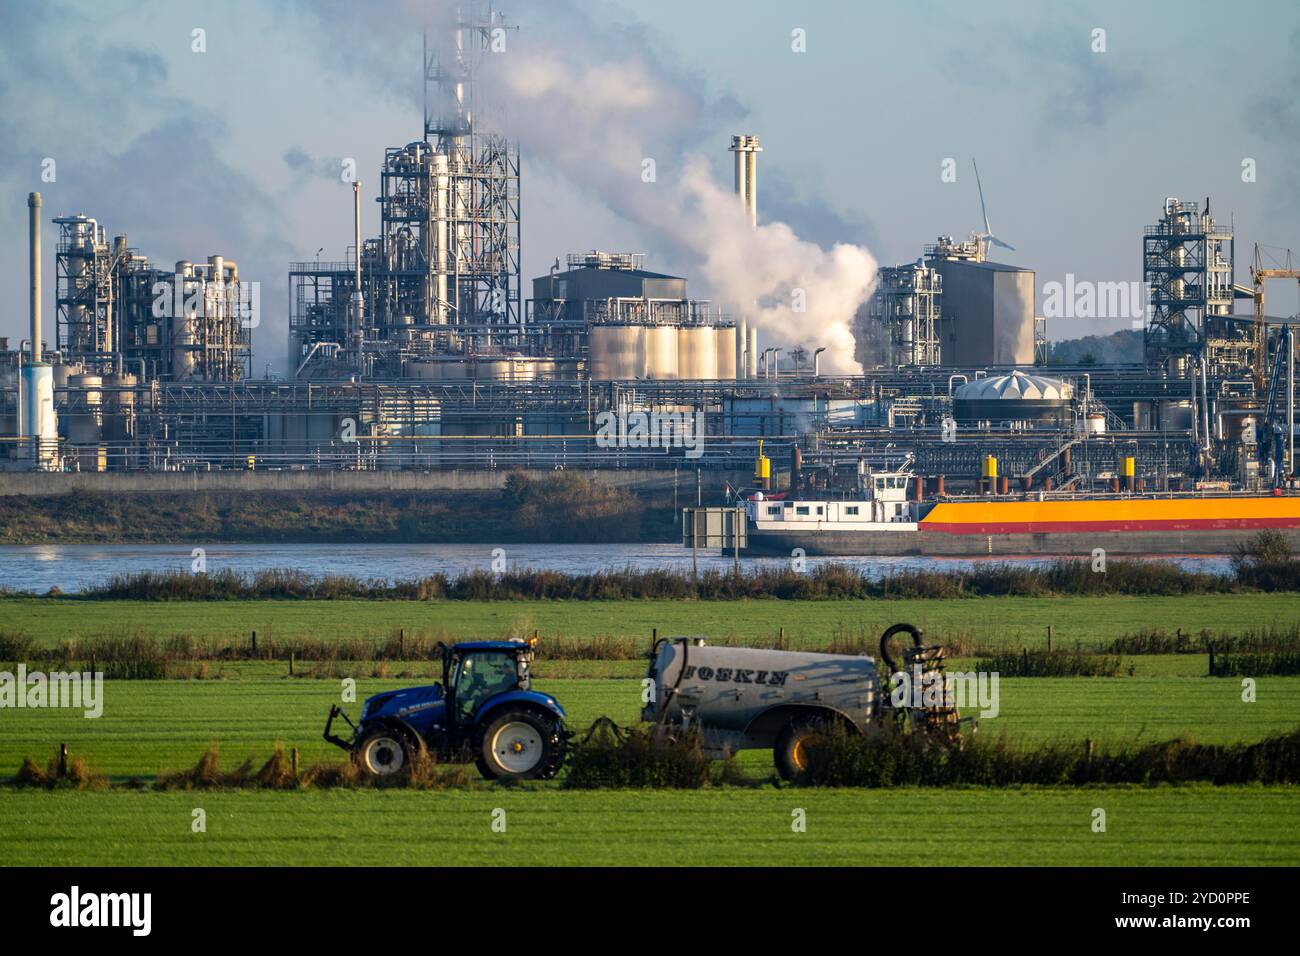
(384, 752)
(791, 750)
(520, 744)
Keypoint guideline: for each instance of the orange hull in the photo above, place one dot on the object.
(1119, 514)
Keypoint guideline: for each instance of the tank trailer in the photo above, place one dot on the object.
(741, 698)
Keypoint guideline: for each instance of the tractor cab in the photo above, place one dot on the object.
(483, 709)
(473, 673)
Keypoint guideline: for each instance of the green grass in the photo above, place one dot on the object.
(1013, 620)
(148, 726)
(1196, 825)
(151, 726)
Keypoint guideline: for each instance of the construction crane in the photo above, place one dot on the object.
(1259, 273)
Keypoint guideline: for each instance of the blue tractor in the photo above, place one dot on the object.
(485, 709)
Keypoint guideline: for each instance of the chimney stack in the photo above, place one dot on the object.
(747, 149)
(34, 220)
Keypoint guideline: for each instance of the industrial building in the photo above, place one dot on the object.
(116, 310)
(418, 349)
(953, 307)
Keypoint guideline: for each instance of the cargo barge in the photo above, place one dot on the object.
(884, 522)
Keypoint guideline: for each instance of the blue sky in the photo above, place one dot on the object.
(233, 151)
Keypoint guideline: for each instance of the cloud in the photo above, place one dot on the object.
(152, 167)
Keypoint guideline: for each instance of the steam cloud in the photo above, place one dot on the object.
(589, 100)
(596, 123)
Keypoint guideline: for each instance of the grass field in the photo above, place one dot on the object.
(1187, 825)
(148, 726)
(154, 726)
(1016, 620)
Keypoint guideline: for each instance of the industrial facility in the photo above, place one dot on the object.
(417, 349)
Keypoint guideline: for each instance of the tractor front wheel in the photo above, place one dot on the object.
(384, 752)
(521, 744)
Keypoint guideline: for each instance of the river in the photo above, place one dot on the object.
(73, 567)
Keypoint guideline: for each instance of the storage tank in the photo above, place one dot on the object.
(119, 407)
(1014, 397)
(493, 370)
(742, 350)
(697, 352)
(726, 347)
(617, 352)
(1175, 416)
(455, 369)
(39, 420)
(661, 352)
(85, 422)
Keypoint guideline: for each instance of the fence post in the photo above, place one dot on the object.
(1049, 638)
(255, 643)
(63, 760)
(291, 656)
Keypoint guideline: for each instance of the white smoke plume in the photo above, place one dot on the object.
(590, 100)
(596, 123)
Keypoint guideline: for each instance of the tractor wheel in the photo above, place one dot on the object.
(790, 752)
(520, 744)
(384, 752)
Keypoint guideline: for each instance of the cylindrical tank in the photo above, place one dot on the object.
(493, 370)
(726, 688)
(661, 352)
(1175, 416)
(697, 352)
(85, 420)
(119, 407)
(617, 352)
(1095, 423)
(39, 421)
(751, 359)
(726, 348)
(439, 257)
(742, 347)
(184, 329)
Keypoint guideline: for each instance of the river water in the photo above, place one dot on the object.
(72, 567)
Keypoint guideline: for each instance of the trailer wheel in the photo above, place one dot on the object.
(791, 750)
(384, 752)
(521, 744)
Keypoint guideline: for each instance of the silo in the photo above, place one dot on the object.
(493, 370)
(726, 344)
(184, 331)
(742, 350)
(119, 417)
(86, 420)
(39, 422)
(617, 352)
(697, 352)
(661, 352)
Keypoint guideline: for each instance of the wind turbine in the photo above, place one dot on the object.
(986, 236)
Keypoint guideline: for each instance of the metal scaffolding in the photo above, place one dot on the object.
(443, 276)
(1187, 265)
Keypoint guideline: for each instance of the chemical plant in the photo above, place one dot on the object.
(417, 349)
